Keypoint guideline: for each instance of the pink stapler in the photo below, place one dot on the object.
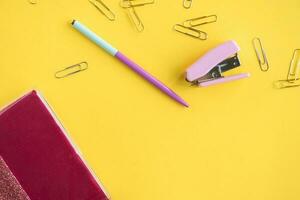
(209, 69)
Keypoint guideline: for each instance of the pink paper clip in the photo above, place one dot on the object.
(209, 69)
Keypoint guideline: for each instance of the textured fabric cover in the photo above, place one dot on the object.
(10, 188)
(41, 157)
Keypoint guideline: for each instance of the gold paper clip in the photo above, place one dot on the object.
(200, 21)
(135, 3)
(283, 84)
(32, 1)
(187, 3)
(72, 70)
(261, 54)
(292, 79)
(294, 70)
(103, 9)
(190, 32)
(135, 19)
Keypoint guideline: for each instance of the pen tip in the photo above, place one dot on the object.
(185, 104)
(181, 101)
(73, 22)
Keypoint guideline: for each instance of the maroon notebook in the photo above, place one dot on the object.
(37, 150)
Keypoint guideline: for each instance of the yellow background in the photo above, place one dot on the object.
(237, 141)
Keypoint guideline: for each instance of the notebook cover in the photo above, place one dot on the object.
(10, 188)
(39, 153)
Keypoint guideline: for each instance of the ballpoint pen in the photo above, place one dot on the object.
(120, 56)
